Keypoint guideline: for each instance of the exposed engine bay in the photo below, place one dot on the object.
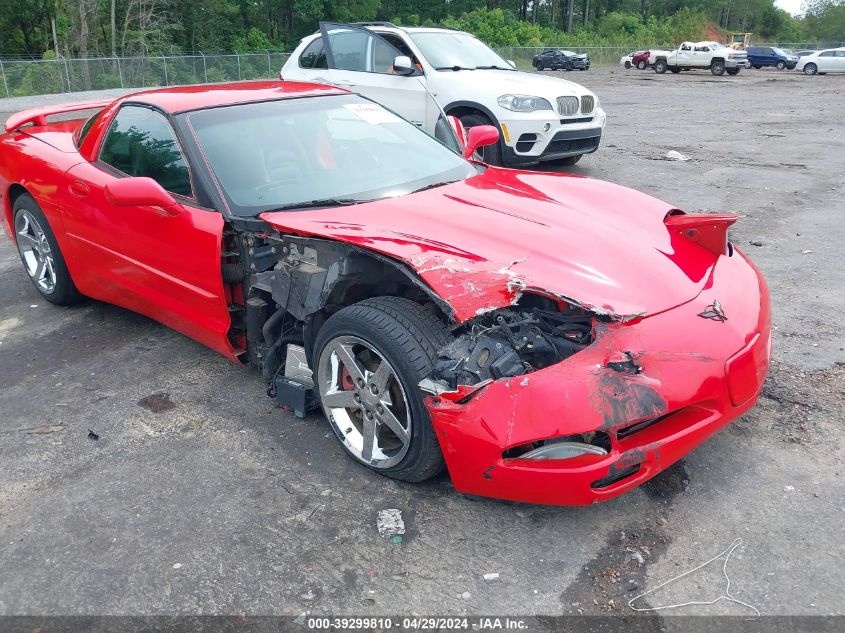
(512, 342)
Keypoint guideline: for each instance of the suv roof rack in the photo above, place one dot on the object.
(375, 23)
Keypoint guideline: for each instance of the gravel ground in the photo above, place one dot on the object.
(201, 497)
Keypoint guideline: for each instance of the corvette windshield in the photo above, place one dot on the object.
(318, 152)
(457, 51)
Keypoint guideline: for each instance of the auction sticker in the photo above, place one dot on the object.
(371, 113)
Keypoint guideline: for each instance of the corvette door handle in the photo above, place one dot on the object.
(79, 189)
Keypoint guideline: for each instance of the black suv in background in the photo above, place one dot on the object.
(561, 60)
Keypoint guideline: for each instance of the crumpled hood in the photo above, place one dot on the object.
(518, 82)
(482, 242)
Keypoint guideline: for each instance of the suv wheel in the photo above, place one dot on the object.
(811, 69)
(781, 65)
(660, 66)
(717, 67)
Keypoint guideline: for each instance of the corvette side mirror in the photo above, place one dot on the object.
(402, 65)
(140, 192)
(480, 136)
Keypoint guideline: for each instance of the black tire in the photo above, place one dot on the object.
(660, 66)
(717, 67)
(64, 291)
(491, 154)
(539, 66)
(757, 66)
(781, 65)
(568, 161)
(811, 69)
(733, 71)
(627, 65)
(408, 336)
(642, 65)
(675, 70)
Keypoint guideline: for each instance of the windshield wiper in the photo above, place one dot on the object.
(455, 68)
(433, 185)
(493, 67)
(324, 202)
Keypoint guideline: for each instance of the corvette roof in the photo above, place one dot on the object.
(177, 99)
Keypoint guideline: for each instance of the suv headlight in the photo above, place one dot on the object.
(523, 103)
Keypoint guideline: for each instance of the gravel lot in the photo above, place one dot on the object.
(201, 497)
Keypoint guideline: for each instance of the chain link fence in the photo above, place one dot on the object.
(21, 78)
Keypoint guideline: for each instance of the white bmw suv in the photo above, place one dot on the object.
(421, 73)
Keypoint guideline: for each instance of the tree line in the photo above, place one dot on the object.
(89, 28)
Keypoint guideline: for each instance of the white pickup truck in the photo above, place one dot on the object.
(700, 55)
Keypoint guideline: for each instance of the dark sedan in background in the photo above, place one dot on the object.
(561, 60)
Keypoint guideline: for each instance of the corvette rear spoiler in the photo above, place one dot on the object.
(707, 230)
(38, 116)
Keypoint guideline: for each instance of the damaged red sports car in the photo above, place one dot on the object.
(550, 338)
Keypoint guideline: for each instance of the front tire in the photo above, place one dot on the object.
(781, 65)
(717, 67)
(660, 66)
(40, 253)
(811, 69)
(490, 154)
(370, 357)
(568, 161)
(539, 66)
(675, 70)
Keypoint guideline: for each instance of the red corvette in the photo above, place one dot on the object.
(550, 338)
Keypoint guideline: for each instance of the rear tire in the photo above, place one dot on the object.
(627, 65)
(660, 66)
(491, 154)
(733, 71)
(757, 66)
(642, 65)
(40, 253)
(405, 336)
(717, 67)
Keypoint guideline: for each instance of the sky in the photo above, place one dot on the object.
(792, 6)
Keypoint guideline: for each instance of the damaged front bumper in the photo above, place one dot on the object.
(652, 389)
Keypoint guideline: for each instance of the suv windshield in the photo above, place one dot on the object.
(318, 151)
(456, 50)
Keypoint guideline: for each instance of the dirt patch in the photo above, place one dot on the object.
(616, 574)
(157, 402)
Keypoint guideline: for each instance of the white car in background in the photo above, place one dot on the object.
(831, 60)
(421, 73)
(625, 60)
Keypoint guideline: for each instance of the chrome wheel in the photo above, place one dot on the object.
(36, 254)
(364, 402)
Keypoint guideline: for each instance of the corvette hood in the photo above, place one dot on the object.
(481, 243)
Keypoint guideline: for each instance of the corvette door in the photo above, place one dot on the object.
(162, 263)
(362, 61)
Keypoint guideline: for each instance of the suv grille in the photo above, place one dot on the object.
(567, 106)
(587, 104)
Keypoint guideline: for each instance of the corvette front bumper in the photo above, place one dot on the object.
(687, 378)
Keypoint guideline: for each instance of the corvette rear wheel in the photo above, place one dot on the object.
(370, 358)
(42, 259)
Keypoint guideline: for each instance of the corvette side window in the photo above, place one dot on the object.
(140, 142)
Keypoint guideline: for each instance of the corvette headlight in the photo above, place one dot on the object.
(523, 103)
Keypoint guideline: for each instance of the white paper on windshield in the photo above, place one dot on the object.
(371, 113)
